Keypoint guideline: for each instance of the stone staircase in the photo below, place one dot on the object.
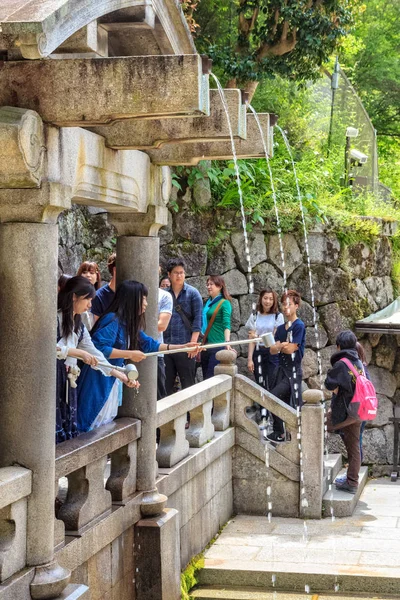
(241, 593)
(340, 504)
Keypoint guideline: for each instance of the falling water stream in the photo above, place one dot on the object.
(304, 501)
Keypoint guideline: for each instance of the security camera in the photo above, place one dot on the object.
(358, 157)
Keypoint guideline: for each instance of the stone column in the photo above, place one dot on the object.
(312, 445)
(227, 366)
(28, 274)
(138, 258)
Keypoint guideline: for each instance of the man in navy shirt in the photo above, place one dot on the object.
(289, 344)
(105, 295)
(184, 326)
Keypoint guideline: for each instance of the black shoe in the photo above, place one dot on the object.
(346, 487)
(275, 437)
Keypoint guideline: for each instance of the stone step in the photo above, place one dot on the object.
(241, 593)
(319, 580)
(343, 503)
(332, 466)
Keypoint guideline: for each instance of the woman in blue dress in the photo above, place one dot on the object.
(73, 343)
(119, 335)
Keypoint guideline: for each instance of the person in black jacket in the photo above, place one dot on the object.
(342, 382)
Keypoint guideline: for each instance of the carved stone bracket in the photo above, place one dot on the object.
(122, 480)
(144, 225)
(201, 429)
(173, 446)
(34, 206)
(22, 148)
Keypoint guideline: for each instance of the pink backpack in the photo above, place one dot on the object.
(364, 404)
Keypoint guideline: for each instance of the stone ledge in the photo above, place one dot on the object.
(343, 504)
(88, 447)
(170, 480)
(186, 400)
(15, 484)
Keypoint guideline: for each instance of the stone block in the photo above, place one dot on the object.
(326, 354)
(235, 319)
(265, 275)
(13, 532)
(122, 556)
(22, 148)
(330, 284)
(15, 484)
(139, 88)
(374, 446)
(333, 321)
(385, 352)
(236, 282)
(195, 227)
(221, 258)
(291, 251)
(382, 257)
(312, 429)
(256, 247)
(194, 255)
(309, 363)
(381, 289)
(316, 340)
(200, 284)
(358, 259)
(323, 249)
(306, 314)
(365, 297)
(100, 574)
(157, 542)
(384, 382)
(246, 304)
(385, 412)
(192, 153)
(146, 134)
(388, 432)
(367, 350)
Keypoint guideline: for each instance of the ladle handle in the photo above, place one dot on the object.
(206, 347)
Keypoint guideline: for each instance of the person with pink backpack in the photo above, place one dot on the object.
(353, 401)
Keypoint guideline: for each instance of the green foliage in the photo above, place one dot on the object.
(250, 40)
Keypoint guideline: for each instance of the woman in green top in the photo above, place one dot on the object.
(220, 330)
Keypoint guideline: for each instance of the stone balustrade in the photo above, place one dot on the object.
(83, 461)
(15, 487)
(199, 400)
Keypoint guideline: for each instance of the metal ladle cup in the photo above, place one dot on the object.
(129, 370)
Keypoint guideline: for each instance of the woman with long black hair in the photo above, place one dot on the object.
(74, 342)
(119, 335)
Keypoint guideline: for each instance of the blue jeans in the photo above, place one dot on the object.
(208, 362)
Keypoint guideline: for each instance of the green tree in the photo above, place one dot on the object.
(250, 40)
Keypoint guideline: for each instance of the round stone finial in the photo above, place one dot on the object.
(226, 357)
(312, 396)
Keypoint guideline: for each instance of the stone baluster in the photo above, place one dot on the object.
(201, 429)
(226, 366)
(87, 499)
(122, 480)
(312, 445)
(173, 445)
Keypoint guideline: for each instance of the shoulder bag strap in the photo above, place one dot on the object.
(211, 323)
(178, 308)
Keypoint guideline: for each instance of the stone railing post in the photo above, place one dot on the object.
(226, 366)
(312, 445)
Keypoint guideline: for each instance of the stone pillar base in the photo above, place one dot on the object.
(153, 503)
(49, 581)
(75, 591)
(157, 550)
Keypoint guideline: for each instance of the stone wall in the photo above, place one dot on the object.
(349, 283)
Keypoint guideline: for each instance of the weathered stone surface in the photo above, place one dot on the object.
(243, 334)
(200, 284)
(306, 314)
(367, 301)
(236, 282)
(374, 446)
(291, 251)
(332, 320)
(166, 234)
(314, 383)
(388, 432)
(316, 341)
(374, 339)
(384, 382)
(330, 285)
(382, 257)
(367, 350)
(385, 411)
(257, 248)
(309, 363)
(381, 290)
(194, 255)
(235, 320)
(323, 249)
(22, 148)
(196, 228)
(265, 275)
(202, 192)
(139, 88)
(326, 354)
(385, 352)
(246, 306)
(358, 259)
(221, 258)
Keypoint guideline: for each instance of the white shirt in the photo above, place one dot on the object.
(165, 305)
(264, 323)
(72, 341)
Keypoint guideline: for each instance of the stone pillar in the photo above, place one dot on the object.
(227, 366)
(138, 258)
(312, 445)
(28, 274)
